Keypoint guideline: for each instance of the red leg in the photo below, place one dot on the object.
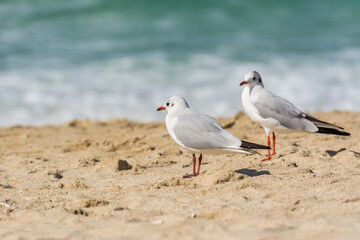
(198, 171)
(273, 153)
(268, 158)
(194, 163)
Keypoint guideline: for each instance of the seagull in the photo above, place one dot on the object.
(276, 114)
(200, 133)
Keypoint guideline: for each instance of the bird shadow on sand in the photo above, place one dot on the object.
(252, 172)
(333, 153)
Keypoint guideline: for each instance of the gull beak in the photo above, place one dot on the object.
(160, 108)
(243, 83)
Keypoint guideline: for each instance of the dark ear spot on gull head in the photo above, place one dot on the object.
(170, 103)
(252, 78)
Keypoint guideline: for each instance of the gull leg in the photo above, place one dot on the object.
(268, 158)
(198, 170)
(194, 163)
(273, 153)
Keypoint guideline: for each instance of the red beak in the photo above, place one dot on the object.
(161, 108)
(243, 83)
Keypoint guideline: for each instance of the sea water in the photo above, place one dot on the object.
(102, 59)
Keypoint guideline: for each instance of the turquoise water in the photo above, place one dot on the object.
(67, 59)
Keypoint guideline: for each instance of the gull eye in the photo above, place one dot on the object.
(167, 104)
(172, 105)
(254, 78)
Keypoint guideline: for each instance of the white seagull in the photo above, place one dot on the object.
(200, 133)
(276, 114)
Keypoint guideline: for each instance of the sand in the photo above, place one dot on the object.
(123, 180)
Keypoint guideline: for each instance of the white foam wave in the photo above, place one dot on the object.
(134, 87)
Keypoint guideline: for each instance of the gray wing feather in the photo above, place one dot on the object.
(201, 131)
(289, 116)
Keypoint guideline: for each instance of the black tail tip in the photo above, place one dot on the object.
(250, 145)
(333, 131)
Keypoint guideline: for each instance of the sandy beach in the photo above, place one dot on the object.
(123, 180)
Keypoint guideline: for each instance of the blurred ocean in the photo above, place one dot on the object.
(102, 59)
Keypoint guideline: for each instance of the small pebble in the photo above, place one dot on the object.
(157, 222)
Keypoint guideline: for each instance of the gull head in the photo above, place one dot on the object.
(252, 79)
(173, 104)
